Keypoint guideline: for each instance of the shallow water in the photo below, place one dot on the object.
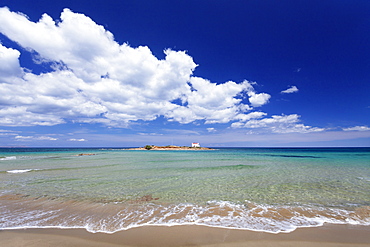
(263, 189)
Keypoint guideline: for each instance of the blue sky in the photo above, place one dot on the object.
(222, 73)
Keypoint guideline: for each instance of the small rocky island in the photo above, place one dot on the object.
(170, 147)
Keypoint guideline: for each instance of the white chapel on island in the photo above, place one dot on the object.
(195, 145)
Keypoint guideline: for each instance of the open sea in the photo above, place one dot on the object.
(260, 189)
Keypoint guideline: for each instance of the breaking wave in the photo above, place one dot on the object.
(8, 158)
(22, 212)
(22, 170)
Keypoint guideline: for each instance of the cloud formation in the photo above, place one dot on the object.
(275, 124)
(8, 133)
(94, 79)
(33, 138)
(357, 128)
(77, 140)
(292, 89)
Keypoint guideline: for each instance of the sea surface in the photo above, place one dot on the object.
(260, 189)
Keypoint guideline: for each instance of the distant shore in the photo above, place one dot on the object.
(169, 147)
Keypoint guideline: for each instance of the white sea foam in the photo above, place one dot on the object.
(19, 171)
(22, 171)
(110, 218)
(8, 158)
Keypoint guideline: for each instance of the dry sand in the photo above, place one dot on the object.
(160, 236)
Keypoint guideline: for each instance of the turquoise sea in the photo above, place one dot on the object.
(261, 189)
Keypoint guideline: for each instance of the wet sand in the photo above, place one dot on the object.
(175, 236)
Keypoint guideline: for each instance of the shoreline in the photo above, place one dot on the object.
(328, 235)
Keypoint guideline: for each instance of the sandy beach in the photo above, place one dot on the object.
(159, 236)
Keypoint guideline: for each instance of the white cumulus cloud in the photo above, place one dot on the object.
(37, 138)
(77, 140)
(292, 89)
(94, 79)
(276, 124)
(9, 63)
(357, 128)
(258, 99)
(211, 130)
